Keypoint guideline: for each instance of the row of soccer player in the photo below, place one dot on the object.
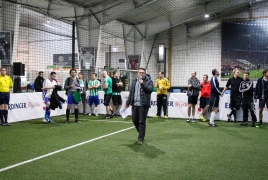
(112, 88)
(242, 94)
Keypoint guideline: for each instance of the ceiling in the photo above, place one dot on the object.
(148, 17)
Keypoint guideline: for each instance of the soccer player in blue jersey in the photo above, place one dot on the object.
(48, 86)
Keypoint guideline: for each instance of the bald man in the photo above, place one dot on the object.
(108, 82)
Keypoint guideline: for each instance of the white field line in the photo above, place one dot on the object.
(61, 150)
(104, 120)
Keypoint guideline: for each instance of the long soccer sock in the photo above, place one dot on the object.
(211, 121)
(5, 115)
(47, 116)
(76, 114)
(67, 114)
(96, 110)
(1, 115)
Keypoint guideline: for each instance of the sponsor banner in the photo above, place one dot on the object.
(26, 106)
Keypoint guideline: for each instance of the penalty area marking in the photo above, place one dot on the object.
(64, 149)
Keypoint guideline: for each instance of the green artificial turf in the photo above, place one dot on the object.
(254, 74)
(173, 149)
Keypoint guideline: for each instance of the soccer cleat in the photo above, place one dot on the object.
(44, 120)
(66, 122)
(165, 117)
(157, 116)
(188, 120)
(244, 124)
(77, 121)
(259, 126)
(7, 124)
(50, 121)
(3, 124)
(228, 117)
(213, 125)
(193, 120)
(204, 119)
(201, 117)
(85, 113)
(253, 125)
(89, 114)
(140, 142)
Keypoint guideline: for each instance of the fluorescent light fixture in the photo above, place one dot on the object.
(161, 52)
(48, 21)
(206, 15)
(50, 26)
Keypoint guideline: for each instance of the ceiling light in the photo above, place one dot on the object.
(48, 21)
(206, 15)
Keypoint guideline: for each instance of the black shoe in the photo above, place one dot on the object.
(244, 124)
(140, 142)
(93, 114)
(66, 122)
(213, 125)
(7, 124)
(253, 125)
(77, 121)
(234, 120)
(107, 116)
(3, 124)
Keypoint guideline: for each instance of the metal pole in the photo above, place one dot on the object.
(73, 46)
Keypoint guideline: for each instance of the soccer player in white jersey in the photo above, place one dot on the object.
(48, 86)
(93, 86)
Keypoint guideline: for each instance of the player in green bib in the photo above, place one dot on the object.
(107, 93)
(93, 86)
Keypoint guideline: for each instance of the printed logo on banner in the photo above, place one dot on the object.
(227, 105)
(34, 104)
(101, 101)
(17, 106)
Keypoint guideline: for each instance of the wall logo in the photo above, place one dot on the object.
(17, 106)
(227, 105)
(181, 104)
(34, 104)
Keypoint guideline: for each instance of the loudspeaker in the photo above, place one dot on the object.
(23, 70)
(18, 69)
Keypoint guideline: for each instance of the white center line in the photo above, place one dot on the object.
(64, 149)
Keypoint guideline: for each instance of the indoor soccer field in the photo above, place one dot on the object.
(107, 149)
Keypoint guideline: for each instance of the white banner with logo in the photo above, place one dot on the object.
(26, 106)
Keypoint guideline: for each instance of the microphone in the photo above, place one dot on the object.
(140, 78)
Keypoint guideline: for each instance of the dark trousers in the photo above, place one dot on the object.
(248, 105)
(139, 114)
(161, 101)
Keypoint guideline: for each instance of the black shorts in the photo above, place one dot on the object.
(117, 99)
(4, 98)
(236, 101)
(214, 101)
(107, 98)
(83, 97)
(204, 102)
(192, 99)
(262, 103)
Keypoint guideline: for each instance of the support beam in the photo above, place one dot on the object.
(73, 45)
(170, 43)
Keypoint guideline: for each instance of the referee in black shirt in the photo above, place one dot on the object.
(236, 95)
